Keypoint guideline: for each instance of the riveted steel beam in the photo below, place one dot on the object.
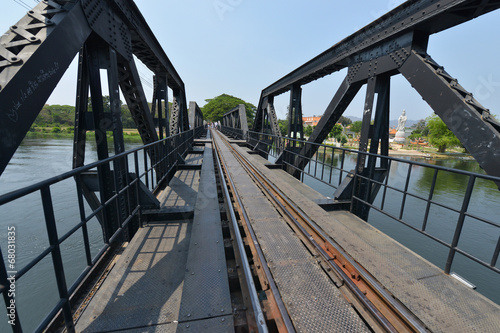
(30, 69)
(459, 110)
(423, 16)
(237, 118)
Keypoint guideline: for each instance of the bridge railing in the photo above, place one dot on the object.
(200, 131)
(140, 171)
(411, 194)
(232, 132)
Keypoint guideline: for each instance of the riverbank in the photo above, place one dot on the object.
(129, 135)
(427, 153)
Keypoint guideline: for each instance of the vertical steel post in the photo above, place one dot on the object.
(106, 186)
(50, 222)
(295, 127)
(362, 188)
(81, 209)
(119, 166)
(82, 100)
(460, 224)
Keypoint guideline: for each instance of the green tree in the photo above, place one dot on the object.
(52, 115)
(308, 130)
(127, 120)
(217, 106)
(336, 131)
(440, 135)
(420, 130)
(283, 124)
(345, 121)
(356, 126)
(343, 140)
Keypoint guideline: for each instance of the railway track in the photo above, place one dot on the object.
(380, 310)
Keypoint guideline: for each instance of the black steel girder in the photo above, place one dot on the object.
(397, 43)
(423, 16)
(195, 115)
(237, 118)
(30, 67)
(462, 113)
(36, 51)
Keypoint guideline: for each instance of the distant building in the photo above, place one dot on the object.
(310, 121)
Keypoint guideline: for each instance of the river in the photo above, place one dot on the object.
(39, 159)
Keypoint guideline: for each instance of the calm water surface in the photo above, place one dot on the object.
(39, 159)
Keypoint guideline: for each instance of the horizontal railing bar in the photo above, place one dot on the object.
(43, 325)
(482, 219)
(33, 262)
(124, 224)
(16, 194)
(404, 223)
(100, 253)
(479, 261)
(463, 172)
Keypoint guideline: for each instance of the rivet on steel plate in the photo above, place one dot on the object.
(223, 319)
(187, 326)
(189, 315)
(221, 310)
(192, 273)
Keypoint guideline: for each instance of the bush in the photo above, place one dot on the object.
(56, 129)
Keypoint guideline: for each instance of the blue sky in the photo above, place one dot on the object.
(239, 47)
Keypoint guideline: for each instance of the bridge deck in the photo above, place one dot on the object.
(438, 300)
(313, 301)
(172, 276)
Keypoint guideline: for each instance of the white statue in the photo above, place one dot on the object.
(401, 122)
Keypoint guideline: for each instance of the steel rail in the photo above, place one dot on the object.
(257, 309)
(392, 307)
(272, 285)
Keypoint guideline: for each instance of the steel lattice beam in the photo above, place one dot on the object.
(425, 16)
(463, 114)
(394, 44)
(30, 68)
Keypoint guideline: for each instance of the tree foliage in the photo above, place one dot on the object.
(283, 125)
(336, 131)
(217, 106)
(356, 126)
(345, 121)
(440, 135)
(52, 115)
(64, 115)
(420, 130)
(308, 130)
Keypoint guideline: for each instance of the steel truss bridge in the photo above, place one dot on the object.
(129, 191)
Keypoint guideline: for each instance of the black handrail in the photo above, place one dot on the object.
(266, 144)
(168, 152)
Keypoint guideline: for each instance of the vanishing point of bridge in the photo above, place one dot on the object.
(214, 230)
